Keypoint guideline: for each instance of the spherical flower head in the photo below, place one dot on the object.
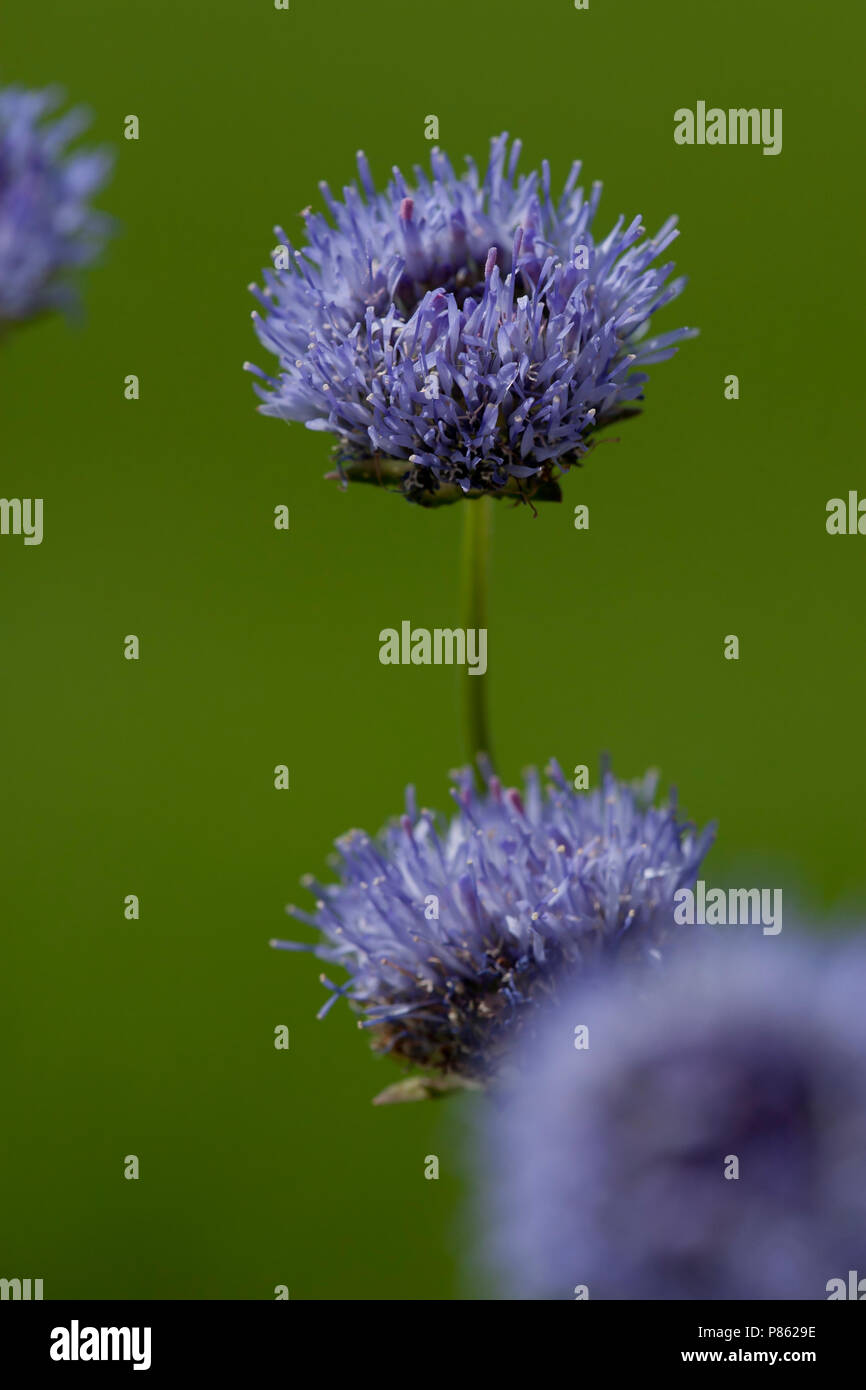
(462, 335)
(706, 1139)
(453, 932)
(48, 229)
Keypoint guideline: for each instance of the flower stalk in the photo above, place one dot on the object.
(477, 536)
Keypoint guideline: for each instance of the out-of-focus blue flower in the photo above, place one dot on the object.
(452, 932)
(47, 227)
(605, 1167)
(462, 335)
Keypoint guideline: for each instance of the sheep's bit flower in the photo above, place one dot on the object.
(452, 933)
(462, 336)
(47, 228)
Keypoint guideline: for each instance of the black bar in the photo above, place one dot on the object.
(220, 1338)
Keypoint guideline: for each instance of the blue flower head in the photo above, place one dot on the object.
(462, 335)
(453, 932)
(707, 1139)
(48, 229)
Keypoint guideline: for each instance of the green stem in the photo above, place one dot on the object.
(478, 527)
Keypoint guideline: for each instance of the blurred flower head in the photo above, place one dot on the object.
(452, 932)
(612, 1166)
(48, 229)
(462, 335)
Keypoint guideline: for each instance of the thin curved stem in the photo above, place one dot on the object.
(478, 528)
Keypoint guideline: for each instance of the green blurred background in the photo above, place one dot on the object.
(260, 647)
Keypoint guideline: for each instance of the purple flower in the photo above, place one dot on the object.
(452, 933)
(462, 335)
(47, 227)
(708, 1143)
